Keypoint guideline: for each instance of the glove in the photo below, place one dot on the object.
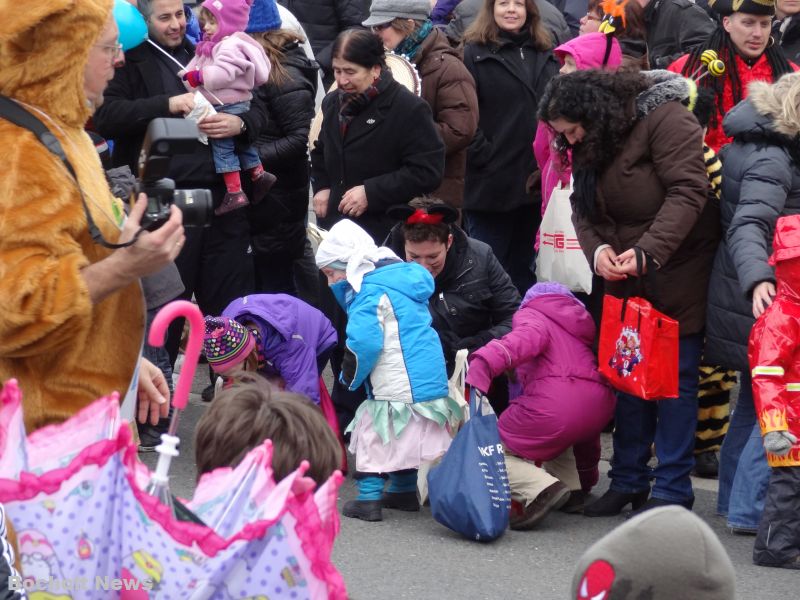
(779, 442)
(193, 78)
(479, 375)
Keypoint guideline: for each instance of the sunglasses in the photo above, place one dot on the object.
(379, 28)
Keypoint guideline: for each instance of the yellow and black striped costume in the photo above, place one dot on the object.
(714, 395)
(713, 403)
(713, 169)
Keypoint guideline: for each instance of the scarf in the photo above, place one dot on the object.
(584, 192)
(409, 47)
(351, 105)
(346, 242)
(518, 39)
(205, 47)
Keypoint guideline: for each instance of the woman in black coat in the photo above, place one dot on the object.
(508, 52)
(473, 300)
(277, 224)
(378, 145)
(760, 183)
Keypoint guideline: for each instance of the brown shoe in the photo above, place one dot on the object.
(574, 505)
(232, 201)
(551, 498)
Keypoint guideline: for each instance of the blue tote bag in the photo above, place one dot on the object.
(469, 490)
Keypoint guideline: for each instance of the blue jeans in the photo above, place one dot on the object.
(670, 423)
(226, 157)
(743, 469)
(160, 358)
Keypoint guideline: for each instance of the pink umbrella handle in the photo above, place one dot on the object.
(158, 335)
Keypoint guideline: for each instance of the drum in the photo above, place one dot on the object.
(404, 73)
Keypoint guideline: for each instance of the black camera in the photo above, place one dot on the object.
(164, 138)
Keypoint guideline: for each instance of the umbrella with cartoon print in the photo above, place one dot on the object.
(86, 527)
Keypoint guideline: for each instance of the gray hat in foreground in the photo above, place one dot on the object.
(386, 11)
(665, 553)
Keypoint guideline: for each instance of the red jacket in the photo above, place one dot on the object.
(775, 363)
(760, 71)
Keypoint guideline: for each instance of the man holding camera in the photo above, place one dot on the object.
(215, 264)
(72, 323)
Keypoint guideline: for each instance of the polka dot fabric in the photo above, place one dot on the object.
(89, 525)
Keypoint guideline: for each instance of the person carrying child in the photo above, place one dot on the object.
(392, 348)
(775, 364)
(251, 411)
(276, 335)
(227, 66)
(564, 405)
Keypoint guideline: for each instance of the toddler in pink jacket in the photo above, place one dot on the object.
(227, 66)
(565, 403)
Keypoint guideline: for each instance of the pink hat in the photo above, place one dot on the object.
(227, 343)
(231, 16)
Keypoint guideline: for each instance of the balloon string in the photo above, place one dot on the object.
(177, 62)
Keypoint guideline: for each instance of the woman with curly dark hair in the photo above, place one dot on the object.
(640, 183)
(509, 53)
(743, 42)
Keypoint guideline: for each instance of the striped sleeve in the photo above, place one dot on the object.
(713, 169)
(8, 574)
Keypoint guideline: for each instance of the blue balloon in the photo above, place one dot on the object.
(131, 25)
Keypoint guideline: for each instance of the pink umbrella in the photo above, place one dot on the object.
(77, 497)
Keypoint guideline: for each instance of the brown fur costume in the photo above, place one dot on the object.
(64, 350)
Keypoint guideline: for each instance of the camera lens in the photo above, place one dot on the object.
(196, 206)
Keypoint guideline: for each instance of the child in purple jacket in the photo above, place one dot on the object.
(227, 66)
(277, 335)
(564, 405)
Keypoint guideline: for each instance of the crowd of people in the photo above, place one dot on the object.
(432, 200)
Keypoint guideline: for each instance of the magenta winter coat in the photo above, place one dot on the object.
(588, 52)
(565, 401)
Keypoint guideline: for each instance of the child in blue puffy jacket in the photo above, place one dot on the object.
(392, 348)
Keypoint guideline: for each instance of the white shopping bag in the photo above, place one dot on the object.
(560, 256)
(202, 109)
(455, 389)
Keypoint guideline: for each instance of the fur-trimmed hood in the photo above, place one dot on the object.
(767, 100)
(44, 45)
(665, 87)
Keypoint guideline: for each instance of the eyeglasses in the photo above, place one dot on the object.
(114, 49)
(379, 28)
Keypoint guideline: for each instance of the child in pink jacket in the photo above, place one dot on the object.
(564, 405)
(227, 66)
(583, 52)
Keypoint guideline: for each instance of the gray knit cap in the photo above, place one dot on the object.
(665, 553)
(386, 11)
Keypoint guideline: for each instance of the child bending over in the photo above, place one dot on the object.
(279, 336)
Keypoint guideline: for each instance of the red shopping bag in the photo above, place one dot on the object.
(326, 405)
(638, 352)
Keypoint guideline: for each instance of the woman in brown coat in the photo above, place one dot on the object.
(640, 182)
(447, 85)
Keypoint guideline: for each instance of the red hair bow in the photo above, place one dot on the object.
(420, 216)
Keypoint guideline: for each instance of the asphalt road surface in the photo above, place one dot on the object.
(409, 555)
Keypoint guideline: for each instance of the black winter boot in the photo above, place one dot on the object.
(366, 510)
(612, 502)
